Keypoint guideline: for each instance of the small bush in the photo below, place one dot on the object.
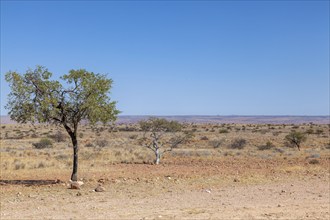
(279, 150)
(319, 131)
(223, 131)
(102, 143)
(238, 143)
(314, 161)
(327, 146)
(43, 143)
(310, 131)
(269, 145)
(34, 135)
(19, 165)
(216, 143)
(62, 157)
(58, 137)
(89, 145)
(313, 156)
(41, 165)
(204, 138)
(276, 133)
(133, 136)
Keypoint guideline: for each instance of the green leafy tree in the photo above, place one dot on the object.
(295, 138)
(82, 95)
(161, 136)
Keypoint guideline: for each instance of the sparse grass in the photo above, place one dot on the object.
(269, 145)
(121, 147)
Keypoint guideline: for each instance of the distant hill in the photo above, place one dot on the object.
(220, 119)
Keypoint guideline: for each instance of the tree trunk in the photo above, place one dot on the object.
(74, 176)
(157, 152)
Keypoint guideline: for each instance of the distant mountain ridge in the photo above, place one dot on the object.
(219, 119)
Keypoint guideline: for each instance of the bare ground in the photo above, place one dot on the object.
(198, 190)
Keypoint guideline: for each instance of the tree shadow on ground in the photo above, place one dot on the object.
(30, 182)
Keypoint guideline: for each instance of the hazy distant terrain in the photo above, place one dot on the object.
(221, 119)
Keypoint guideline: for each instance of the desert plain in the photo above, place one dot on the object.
(207, 177)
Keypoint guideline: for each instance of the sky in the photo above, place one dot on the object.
(180, 57)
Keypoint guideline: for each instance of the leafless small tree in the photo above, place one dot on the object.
(161, 136)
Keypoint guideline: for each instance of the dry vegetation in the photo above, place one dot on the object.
(241, 159)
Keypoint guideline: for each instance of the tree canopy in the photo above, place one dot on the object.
(35, 97)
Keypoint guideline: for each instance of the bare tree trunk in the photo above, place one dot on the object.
(74, 176)
(157, 152)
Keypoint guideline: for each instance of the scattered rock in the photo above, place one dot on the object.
(99, 188)
(76, 184)
(101, 181)
(236, 180)
(32, 196)
(78, 194)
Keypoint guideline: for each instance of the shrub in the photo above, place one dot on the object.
(41, 165)
(34, 135)
(310, 131)
(223, 131)
(319, 131)
(269, 145)
(19, 165)
(279, 150)
(314, 161)
(204, 138)
(216, 143)
(89, 145)
(102, 143)
(327, 146)
(62, 157)
(133, 136)
(43, 143)
(238, 143)
(58, 137)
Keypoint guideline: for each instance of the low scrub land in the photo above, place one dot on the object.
(222, 171)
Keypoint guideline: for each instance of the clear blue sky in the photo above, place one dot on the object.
(180, 57)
